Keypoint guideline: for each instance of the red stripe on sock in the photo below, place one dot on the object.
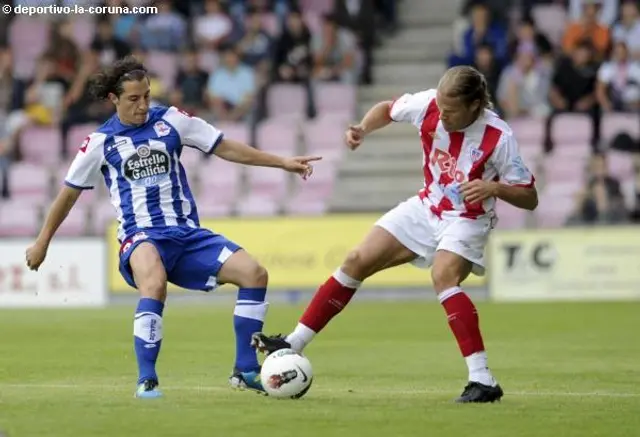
(329, 300)
(464, 322)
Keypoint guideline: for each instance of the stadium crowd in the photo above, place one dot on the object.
(569, 64)
(548, 58)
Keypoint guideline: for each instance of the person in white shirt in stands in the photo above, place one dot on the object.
(470, 159)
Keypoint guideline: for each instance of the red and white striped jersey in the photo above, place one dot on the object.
(487, 150)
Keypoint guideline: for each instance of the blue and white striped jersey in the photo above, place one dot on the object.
(141, 168)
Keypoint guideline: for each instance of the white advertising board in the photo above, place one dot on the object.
(72, 275)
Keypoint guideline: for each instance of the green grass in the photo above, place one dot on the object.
(381, 369)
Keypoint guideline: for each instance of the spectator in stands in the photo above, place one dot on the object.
(6, 79)
(232, 88)
(43, 100)
(387, 11)
(5, 163)
(238, 8)
(602, 201)
(628, 28)
(359, 17)
(334, 52)
(212, 29)
(79, 106)
(105, 46)
(618, 86)
(482, 31)
(191, 85)
(527, 37)
(587, 29)
(573, 90)
(63, 51)
(293, 61)
(126, 27)
(524, 86)
(254, 44)
(165, 31)
(607, 10)
(486, 63)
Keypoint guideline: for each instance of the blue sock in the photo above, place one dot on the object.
(147, 337)
(248, 317)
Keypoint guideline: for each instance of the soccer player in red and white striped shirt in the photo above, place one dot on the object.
(471, 159)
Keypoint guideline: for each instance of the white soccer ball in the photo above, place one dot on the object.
(286, 374)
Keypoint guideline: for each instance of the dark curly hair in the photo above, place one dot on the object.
(110, 79)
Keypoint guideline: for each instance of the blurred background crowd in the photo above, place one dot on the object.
(289, 75)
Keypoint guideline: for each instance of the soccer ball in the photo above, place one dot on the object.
(286, 374)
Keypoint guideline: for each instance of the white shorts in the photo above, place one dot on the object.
(421, 231)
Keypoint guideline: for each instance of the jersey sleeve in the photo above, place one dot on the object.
(194, 131)
(509, 163)
(84, 172)
(410, 108)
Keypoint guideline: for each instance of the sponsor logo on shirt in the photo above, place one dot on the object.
(146, 167)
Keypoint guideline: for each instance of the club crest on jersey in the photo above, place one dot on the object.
(476, 154)
(161, 128)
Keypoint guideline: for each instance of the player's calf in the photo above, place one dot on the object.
(449, 270)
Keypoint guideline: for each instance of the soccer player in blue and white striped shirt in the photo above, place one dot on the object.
(137, 153)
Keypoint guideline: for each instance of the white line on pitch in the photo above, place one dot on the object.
(324, 390)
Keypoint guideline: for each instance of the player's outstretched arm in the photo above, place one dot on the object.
(241, 153)
(59, 210)
(376, 118)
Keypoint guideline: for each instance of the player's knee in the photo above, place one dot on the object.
(444, 277)
(154, 287)
(256, 277)
(355, 265)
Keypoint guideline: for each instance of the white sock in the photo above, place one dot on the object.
(478, 369)
(300, 337)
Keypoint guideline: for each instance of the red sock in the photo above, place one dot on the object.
(463, 320)
(329, 300)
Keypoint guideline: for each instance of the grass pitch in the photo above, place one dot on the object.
(381, 369)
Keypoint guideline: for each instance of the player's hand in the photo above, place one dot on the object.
(300, 165)
(355, 136)
(478, 190)
(35, 255)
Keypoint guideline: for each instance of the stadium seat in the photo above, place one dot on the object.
(528, 130)
(76, 136)
(41, 145)
(571, 129)
(554, 209)
(269, 183)
(620, 164)
(191, 159)
(88, 197)
(313, 21)
(615, 123)
(325, 136)
(84, 29)
(335, 97)
(278, 136)
(76, 223)
(256, 206)
(28, 38)
(234, 131)
(103, 215)
(510, 217)
(311, 197)
(286, 99)
(271, 25)
(320, 7)
(165, 65)
(550, 20)
(564, 168)
(19, 219)
(219, 181)
(29, 182)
